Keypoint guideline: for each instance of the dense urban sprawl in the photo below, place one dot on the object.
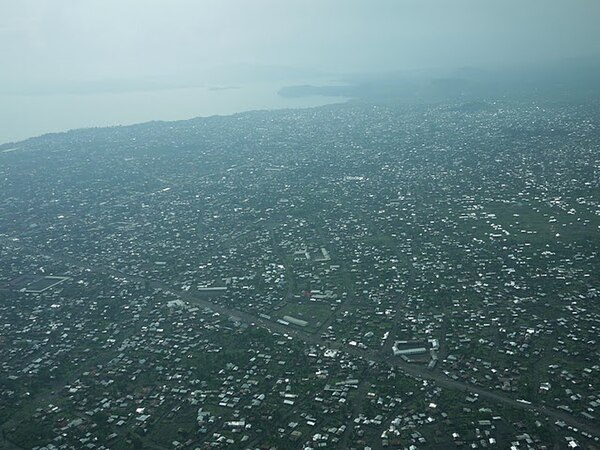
(351, 276)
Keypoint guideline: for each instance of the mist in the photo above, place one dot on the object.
(69, 47)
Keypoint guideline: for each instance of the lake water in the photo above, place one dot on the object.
(24, 116)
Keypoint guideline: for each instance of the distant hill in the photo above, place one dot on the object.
(564, 80)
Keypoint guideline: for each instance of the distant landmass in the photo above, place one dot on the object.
(567, 80)
(223, 88)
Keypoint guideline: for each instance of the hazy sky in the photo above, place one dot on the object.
(42, 41)
(80, 63)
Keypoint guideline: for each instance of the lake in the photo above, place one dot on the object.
(24, 116)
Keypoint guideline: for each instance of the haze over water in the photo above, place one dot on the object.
(25, 116)
(59, 57)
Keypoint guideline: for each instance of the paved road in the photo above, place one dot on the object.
(415, 371)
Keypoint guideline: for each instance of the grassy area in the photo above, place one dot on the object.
(315, 313)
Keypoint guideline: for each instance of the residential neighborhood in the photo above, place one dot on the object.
(350, 276)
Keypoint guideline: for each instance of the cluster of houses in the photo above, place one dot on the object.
(463, 242)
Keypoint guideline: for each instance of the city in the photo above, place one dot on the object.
(349, 276)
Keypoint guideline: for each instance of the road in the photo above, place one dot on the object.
(314, 339)
(412, 370)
